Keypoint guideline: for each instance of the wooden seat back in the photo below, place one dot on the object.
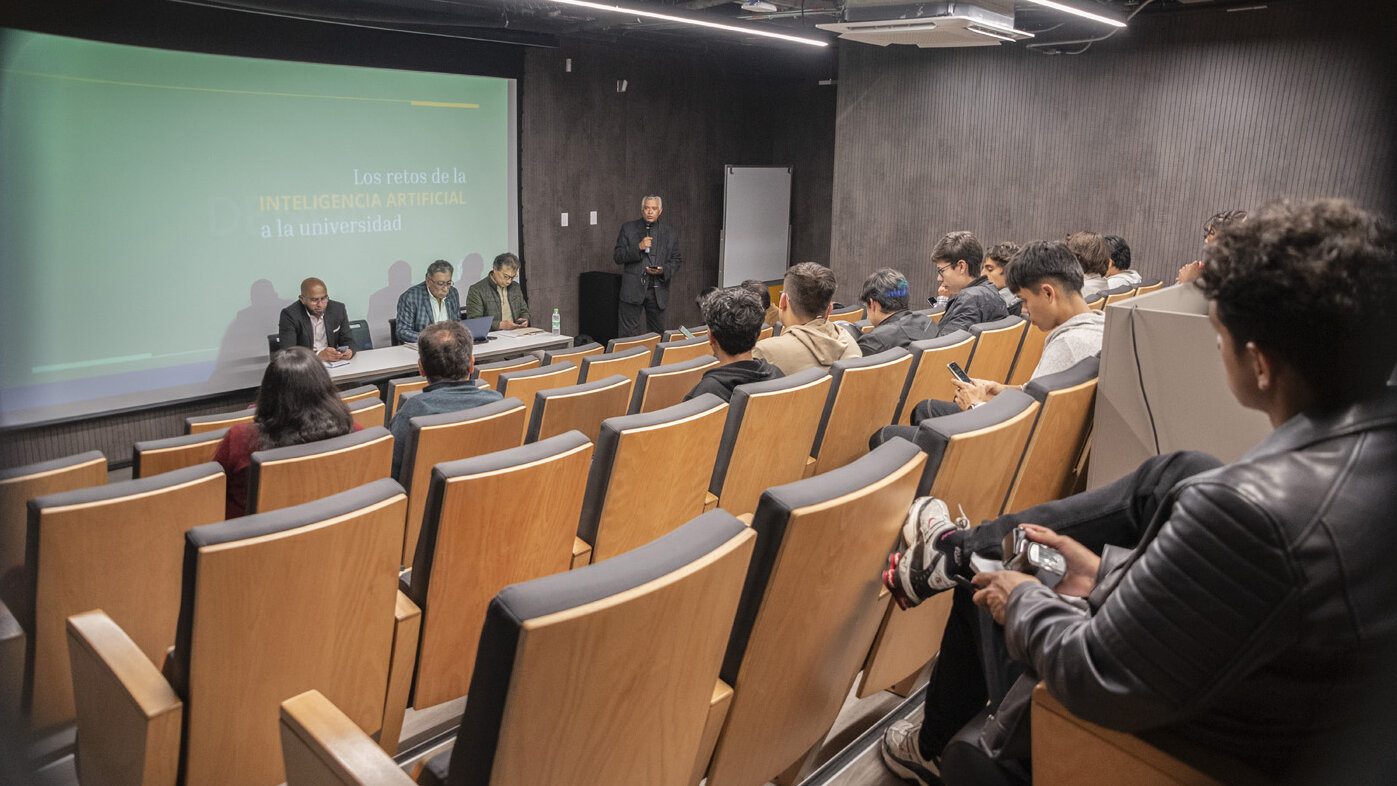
(1097, 302)
(794, 652)
(1149, 286)
(282, 477)
(368, 411)
(450, 436)
(658, 387)
(525, 385)
(572, 354)
(996, 344)
(681, 350)
(650, 474)
(358, 393)
(1067, 402)
(119, 548)
(676, 335)
(580, 407)
(479, 536)
(18, 485)
(767, 331)
(846, 314)
(647, 340)
(1117, 294)
(489, 373)
(971, 460)
(155, 456)
(766, 437)
(928, 378)
(626, 362)
(396, 389)
(195, 424)
(1030, 352)
(862, 399)
(274, 605)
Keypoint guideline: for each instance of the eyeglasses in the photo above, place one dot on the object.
(443, 284)
(318, 300)
(941, 269)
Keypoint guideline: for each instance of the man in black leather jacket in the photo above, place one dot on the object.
(1259, 600)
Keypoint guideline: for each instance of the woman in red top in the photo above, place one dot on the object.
(297, 403)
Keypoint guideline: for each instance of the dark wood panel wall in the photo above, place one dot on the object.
(585, 146)
(1144, 135)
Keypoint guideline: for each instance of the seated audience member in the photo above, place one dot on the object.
(444, 357)
(1240, 609)
(297, 403)
(734, 317)
(997, 258)
(808, 338)
(884, 298)
(317, 323)
(499, 296)
(773, 314)
(1118, 272)
(958, 258)
(1211, 227)
(702, 295)
(432, 301)
(1047, 277)
(1094, 255)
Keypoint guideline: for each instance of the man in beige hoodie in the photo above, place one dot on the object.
(807, 338)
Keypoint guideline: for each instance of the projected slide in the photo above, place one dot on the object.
(161, 207)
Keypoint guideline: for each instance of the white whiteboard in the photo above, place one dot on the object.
(756, 240)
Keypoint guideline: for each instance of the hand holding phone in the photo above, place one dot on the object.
(958, 372)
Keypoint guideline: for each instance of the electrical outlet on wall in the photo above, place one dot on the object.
(565, 219)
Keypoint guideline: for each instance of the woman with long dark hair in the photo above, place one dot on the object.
(297, 403)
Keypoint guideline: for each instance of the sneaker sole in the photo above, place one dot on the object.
(909, 770)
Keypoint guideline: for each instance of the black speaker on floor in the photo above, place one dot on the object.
(598, 301)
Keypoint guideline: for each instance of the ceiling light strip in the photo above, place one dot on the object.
(1067, 9)
(616, 9)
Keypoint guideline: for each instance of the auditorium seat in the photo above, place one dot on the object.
(862, 399)
(396, 389)
(273, 343)
(1117, 294)
(767, 332)
(647, 340)
(658, 387)
(602, 675)
(154, 456)
(580, 407)
(1097, 301)
(650, 474)
(195, 424)
(809, 609)
(996, 344)
(282, 477)
(572, 354)
(846, 314)
(450, 436)
(935, 312)
(271, 605)
(393, 332)
(358, 393)
(118, 548)
(971, 460)
(526, 384)
(928, 378)
(675, 335)
(359, 329)
(368, 411)
(489, 373)
(1149, 286)
(1030, 352)
(18, 485)
(626, 362)
(1067, 402)
(680, 350)
(481, 534)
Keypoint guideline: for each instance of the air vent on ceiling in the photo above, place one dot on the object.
(945, 24)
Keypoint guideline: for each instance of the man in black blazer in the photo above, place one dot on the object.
(648, 254)
(317, 323)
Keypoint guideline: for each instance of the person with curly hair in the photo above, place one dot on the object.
(1211, 227)
(297, 403)
(1240, 609)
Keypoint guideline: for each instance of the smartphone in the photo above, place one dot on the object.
(958, 372)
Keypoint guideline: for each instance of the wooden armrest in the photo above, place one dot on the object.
(12, 645)
(717, 713)
(129, 718)
(810, 462)
(407, 626)
(1069, 750)
(746, 518)
(320, 744)
(709, 501)
(581, 553)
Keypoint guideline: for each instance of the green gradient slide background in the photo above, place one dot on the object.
(131, 234)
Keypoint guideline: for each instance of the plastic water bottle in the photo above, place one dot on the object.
(557, 323)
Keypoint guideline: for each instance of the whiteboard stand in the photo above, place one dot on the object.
(755, 241)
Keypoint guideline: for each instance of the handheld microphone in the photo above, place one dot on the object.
(648, 225)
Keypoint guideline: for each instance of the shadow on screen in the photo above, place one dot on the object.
(244, 343)
(383, 304)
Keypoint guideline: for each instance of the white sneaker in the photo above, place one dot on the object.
(919, 570)
(903, 756)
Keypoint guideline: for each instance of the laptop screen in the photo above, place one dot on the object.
(479, 328)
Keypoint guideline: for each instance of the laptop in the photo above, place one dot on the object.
(479, 328)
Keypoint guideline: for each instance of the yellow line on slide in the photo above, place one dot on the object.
(235, 92)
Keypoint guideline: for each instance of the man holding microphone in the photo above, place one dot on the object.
(648, 253)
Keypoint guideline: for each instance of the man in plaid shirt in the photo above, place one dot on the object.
(434, 300)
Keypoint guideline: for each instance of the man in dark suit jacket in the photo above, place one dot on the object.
(648, 254)
(317, 323)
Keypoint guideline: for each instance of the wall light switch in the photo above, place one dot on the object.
(594, 218)
(565, 219)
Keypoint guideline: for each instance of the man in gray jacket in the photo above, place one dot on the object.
(1240, 609)
(884, 297)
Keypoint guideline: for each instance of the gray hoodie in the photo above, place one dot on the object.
(1076, 339)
